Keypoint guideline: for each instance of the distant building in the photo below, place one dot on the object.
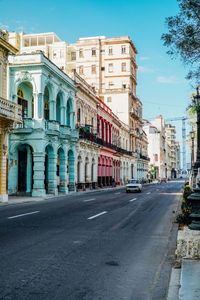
(170, 132)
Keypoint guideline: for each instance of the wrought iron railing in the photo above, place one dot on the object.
(95, 139)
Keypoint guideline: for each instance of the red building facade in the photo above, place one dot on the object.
(108, 131)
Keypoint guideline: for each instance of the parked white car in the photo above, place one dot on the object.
(133, 185)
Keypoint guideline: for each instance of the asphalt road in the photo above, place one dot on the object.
(107, 245)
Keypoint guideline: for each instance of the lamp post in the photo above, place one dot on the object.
(195, 197)
(196, 102)
(192, 135)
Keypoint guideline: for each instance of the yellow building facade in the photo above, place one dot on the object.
(10, 113)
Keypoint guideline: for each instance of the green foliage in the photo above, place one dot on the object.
(187, 192)
(183, 37)
(186, 208)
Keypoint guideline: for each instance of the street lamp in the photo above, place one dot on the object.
(192, 135)
(196, 102)
(195, 197)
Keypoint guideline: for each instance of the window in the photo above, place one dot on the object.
(123, 85)
(80, 69)
(61, 53)
(73, 55)
(46, 110)
(54, 54)
(93, 69)
(93, 52)
(156, 157)
(109, 99)
(32, 107)
(78, 116)
(110, 51)
(110, 68)
(110, 84)
(81, 52)
(123, 67)
(22, 102)
(123, 49)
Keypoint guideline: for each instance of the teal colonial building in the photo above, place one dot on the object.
(42, 150)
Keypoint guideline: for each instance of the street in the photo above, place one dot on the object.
(107, 245)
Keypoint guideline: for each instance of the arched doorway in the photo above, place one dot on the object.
(69, 113)
(25, 99)
(25, 169)
(46, 103)
(58, 108)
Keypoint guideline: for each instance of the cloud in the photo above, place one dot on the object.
(144, 58)
(4, 27)
(170, 80)
(143, 69)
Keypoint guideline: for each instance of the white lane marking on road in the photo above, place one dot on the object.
(88, 200)
(148, 193)
(26, 214)
(95, 216)
(133, 199)
(117, 193)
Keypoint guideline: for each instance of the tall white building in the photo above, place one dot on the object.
(155, 131)
(109, 66)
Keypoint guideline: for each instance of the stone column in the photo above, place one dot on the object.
(63, 175)
(71, 173)
(29, 171)
(52, 110)
(40, 106)
(38, 174)
(52, 176)
(3, 152)
(62, 115)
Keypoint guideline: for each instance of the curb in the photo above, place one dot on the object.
(22, 199)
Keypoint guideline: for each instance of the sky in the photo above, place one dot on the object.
(162, 86)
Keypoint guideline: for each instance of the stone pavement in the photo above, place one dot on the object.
(184, 282)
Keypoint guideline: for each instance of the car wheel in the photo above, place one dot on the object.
(127, 191)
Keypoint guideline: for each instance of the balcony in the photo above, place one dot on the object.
(50, 127)
(93, 138)
(144, 157)
(10, 111)
(134, 113)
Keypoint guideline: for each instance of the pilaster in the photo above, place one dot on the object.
(38, 174)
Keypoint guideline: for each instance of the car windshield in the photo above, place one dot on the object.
(133, 181)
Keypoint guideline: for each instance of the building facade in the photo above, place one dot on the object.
(170, 131)
(10, 113)
(155, 131)
(42, 150)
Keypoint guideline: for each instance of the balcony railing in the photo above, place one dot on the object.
(10, 110)
(144, 157)
(51, 127)
(93, 138)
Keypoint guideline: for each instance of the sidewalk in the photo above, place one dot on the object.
(25, 199)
